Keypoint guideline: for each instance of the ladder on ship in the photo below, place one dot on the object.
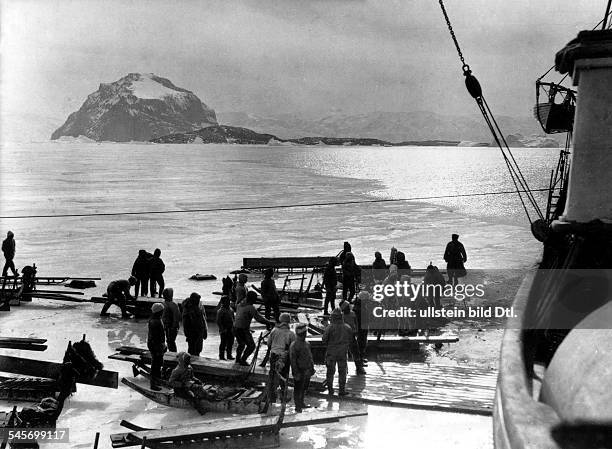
(557, 192)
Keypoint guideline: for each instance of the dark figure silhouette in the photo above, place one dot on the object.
(157, 273)
(171, 319)
(8, 248)
(194, 324)
(403, 267)
(379, 268)
(118, 292)
(245, 312)
(330, 281)
(350, 276)
(342, 254)
(156, 342)
(225, 322)
(455, 256)
(141, 271)
(434, 283)
(269, 295)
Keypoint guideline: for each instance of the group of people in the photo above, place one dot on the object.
(149, 269)
(398, 270)
(166, 319)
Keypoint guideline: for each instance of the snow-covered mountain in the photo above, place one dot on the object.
(137, 107)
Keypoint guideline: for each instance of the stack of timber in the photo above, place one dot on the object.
(227, 432)
(207, 367)
(459, 389)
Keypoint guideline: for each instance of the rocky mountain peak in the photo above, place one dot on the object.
(139, 106)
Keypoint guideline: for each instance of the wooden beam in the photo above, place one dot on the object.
(22, 346)
(39, 368)
(23, 340)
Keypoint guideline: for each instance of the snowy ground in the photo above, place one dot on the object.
(69, 178)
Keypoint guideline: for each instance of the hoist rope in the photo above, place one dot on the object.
(475, 91)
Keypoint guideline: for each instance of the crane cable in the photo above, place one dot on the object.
(473, 87)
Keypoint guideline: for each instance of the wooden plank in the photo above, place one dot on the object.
(59, 292)
(394, 339)
(261, 263)
(39, 368)
(22, 346)
(23, 340)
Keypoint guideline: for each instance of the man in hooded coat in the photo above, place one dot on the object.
(279, 340)
(8, 248)
(171, 318)
(455, 256)
(194, 324)
(337, 338)
(156, 342)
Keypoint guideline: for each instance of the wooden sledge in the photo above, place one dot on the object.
(207, 367)
(239, 400)
(180, 434)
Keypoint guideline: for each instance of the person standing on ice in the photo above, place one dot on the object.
(118, 293)
(225, 323)
(241, 288)
(361, 309)
(342, 254)
(156, 342)
(404, 270)
(8, 248)
(141, 271)
(302, 366)
(269, 295)
(350, 276)
(455, 256)
(171, 319)
(379, 268)
(157, 268)
(349, 317)
(330, 281)
(279, 341)
(336, 338)
(194, 324)
(245, 312)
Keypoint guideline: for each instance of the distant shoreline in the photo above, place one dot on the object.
(244, 136)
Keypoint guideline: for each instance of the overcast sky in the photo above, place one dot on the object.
(266, 56)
